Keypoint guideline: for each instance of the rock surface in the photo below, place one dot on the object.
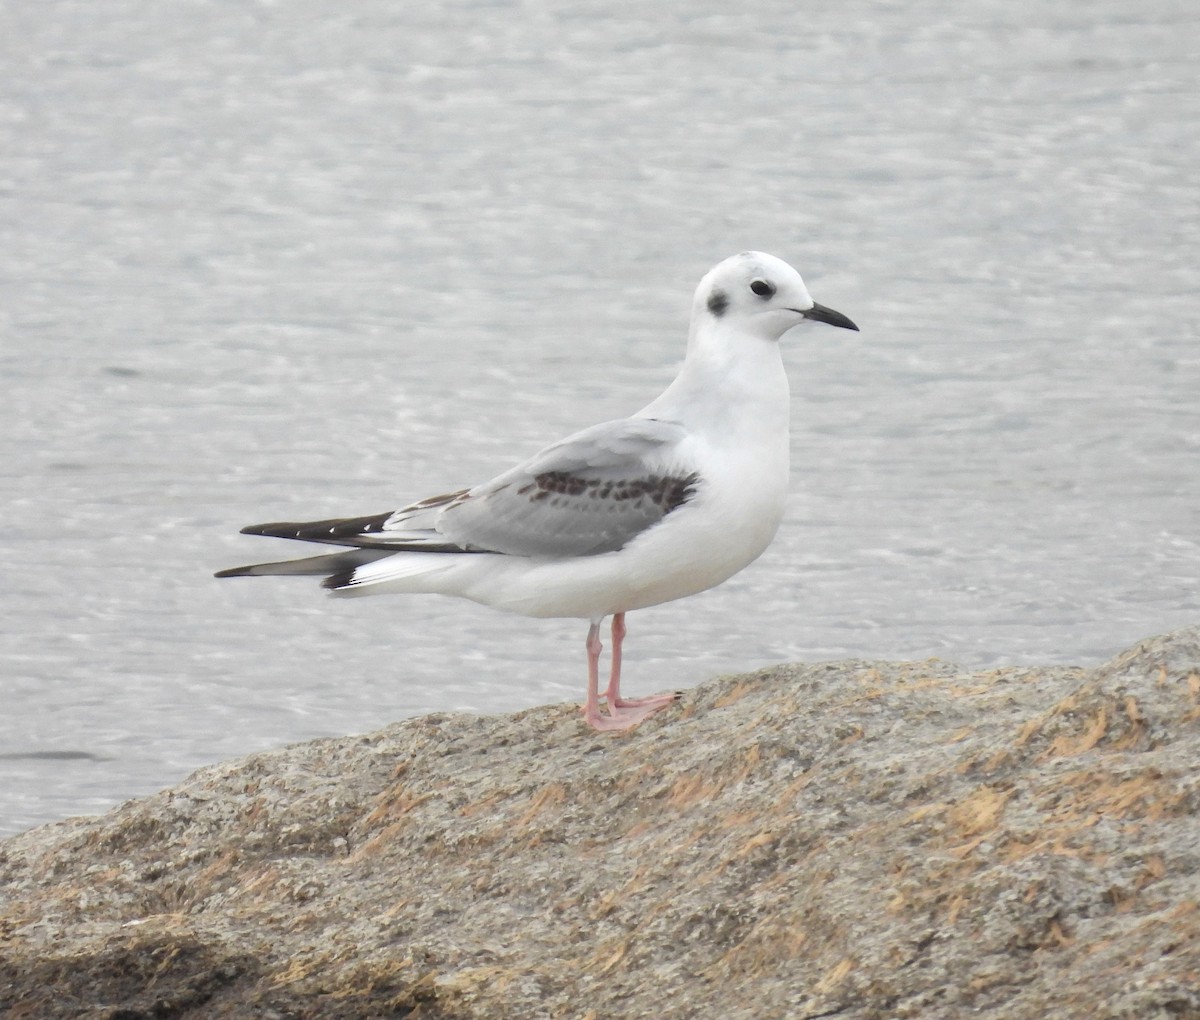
(851, 839)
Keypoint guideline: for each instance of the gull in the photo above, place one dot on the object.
(624, 515)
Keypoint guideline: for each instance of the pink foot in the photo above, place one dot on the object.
(623, 713)
(621, 718)
(655, 700)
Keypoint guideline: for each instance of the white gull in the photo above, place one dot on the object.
(621, 516)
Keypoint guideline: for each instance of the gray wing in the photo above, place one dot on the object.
(589, 493)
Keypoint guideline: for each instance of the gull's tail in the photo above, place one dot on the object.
(398, 573)
(378, 560)
(366, 571)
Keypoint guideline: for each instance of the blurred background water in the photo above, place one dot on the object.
(263, 261)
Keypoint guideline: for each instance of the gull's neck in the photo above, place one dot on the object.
(732, 380)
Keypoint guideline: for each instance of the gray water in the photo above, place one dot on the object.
(263, 261)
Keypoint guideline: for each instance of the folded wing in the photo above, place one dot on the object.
(590, 493)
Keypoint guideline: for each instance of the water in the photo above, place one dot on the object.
(270, 260)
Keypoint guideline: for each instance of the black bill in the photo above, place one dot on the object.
(819, 313)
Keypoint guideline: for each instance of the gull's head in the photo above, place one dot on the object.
(759, 294)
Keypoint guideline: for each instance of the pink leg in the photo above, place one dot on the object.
(613, 694)
(591, 707)
(623, 715)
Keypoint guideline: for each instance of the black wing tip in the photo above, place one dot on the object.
(332, 530)
(280, 529)
(342, 579)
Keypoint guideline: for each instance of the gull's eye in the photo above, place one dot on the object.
(763, 288)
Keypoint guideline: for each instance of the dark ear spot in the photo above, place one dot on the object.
(718, 301)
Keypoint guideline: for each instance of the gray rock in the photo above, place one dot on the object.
(850, 839)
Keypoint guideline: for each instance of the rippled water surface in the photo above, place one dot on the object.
(262, 261)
